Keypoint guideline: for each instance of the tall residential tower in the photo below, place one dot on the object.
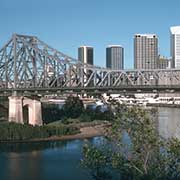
(85, 54)
(175, 46)
(145, 51)
(115, 57)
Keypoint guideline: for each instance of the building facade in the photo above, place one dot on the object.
(145, 51)
(175, 46)
(86, 54)
(115, 57)
(164, 63)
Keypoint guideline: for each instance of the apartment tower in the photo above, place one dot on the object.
(145, 51)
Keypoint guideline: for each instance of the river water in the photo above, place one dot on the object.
(61, 160)
(169, 122)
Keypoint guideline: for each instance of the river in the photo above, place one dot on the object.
(44, 161)
(61, 160)
(169, 122)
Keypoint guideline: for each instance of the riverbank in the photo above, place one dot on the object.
(85, 132)
(164, 105)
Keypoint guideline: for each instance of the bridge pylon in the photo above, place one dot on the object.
(24, 110)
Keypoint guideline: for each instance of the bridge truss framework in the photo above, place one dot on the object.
(28, 65)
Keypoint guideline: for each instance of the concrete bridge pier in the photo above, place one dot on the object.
(25, 110)
(16, 109)
(35, 112)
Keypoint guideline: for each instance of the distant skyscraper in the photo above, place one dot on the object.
(85, 54)
(145, 51)
(164, 63)
(115, 57)
(175, 46)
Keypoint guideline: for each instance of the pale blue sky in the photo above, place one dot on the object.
(67, 24)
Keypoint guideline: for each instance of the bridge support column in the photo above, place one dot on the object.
(16, 104)
(35, 113)
(16, 109)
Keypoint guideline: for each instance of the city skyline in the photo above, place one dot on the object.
(69, 24)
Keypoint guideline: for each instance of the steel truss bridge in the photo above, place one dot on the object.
(30, 66)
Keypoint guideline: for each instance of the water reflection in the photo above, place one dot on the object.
(29, 147)
(169, 122)
(38, 146)
(46, 160)
(26, 165)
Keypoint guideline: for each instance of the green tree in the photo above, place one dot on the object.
(51, 113)
(135, 151)
(73, 107)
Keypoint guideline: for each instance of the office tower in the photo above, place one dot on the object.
(175, 46)
(85, 54)
(164, 63)
(115, 57)
(145, 51)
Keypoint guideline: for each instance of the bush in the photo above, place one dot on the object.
(51, 113)
(69, 121)
(97, 114)
(85, 117)
(16, 132)
(73, 107)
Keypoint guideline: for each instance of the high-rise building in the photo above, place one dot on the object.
(115, 57)
(175, 46)
(164, 63)
(145, 51)
(85, 54)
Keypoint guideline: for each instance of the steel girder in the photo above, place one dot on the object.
(28, 63)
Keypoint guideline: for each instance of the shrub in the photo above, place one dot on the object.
(13, 131)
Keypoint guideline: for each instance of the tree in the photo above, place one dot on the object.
(51, 113)
(73, 107)
(135, 150)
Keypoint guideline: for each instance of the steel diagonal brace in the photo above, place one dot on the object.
(89, 79)
(127, 76)
(6, 45)
(118, 78)
(142, 75)
(104, 78)
(177, 76)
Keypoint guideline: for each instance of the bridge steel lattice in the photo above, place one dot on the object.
(29, 65)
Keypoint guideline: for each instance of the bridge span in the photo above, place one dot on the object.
(29, 67)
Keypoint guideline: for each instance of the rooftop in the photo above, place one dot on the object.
(175, 29)
(86, 47)
(110, 46)
(146, 35)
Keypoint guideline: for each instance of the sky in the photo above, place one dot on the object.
(67, 24)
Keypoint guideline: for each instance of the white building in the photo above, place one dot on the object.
(175, 46)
